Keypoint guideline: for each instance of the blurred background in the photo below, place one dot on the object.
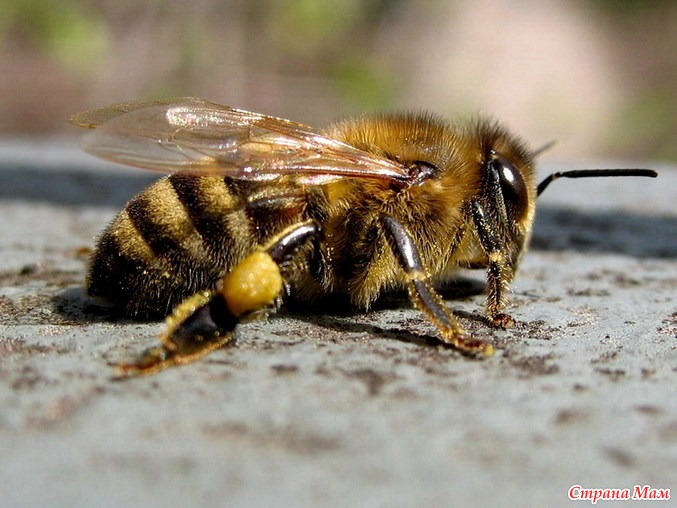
(597, 76)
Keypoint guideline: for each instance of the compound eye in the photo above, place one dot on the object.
(513, 188)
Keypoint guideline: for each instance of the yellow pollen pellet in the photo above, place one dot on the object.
(253, 284)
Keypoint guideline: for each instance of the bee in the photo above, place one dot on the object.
(258, 208)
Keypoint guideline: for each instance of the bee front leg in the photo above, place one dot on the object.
(206, 321)
(423, 295)
(499, 273)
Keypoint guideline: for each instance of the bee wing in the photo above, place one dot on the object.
(197, 136)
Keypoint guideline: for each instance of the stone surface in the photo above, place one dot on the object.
(338, 409)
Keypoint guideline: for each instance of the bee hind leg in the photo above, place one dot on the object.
(206, 321)
(423, 295)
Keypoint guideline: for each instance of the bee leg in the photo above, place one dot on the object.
(499, 273)
(423, 295)
(206, 321)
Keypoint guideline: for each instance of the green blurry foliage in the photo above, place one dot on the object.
(318, 31)
(63, 30)
(322, 23)
(648, 125)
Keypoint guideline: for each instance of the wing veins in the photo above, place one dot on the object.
(197, 136)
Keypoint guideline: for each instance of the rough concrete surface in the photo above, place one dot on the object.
(327, 408)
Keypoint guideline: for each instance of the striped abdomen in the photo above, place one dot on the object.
(181, 235)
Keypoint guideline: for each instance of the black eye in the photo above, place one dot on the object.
(513, 188)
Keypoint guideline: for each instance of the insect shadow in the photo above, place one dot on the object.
(612, 231)
(64, 185)
(74, 305)
(336, 314)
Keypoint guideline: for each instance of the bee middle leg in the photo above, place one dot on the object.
(206, 321)
(423, 295)
(499, 273)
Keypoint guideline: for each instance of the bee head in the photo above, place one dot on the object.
(507, 189)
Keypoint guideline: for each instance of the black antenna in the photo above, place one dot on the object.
(585, 173)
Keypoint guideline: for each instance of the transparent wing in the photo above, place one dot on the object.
(197, 136)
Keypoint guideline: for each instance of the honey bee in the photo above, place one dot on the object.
(259, 208)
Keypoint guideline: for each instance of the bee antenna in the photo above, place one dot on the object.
(585, 173)
(543, 148)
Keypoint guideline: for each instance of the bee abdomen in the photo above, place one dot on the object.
(178, 237)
